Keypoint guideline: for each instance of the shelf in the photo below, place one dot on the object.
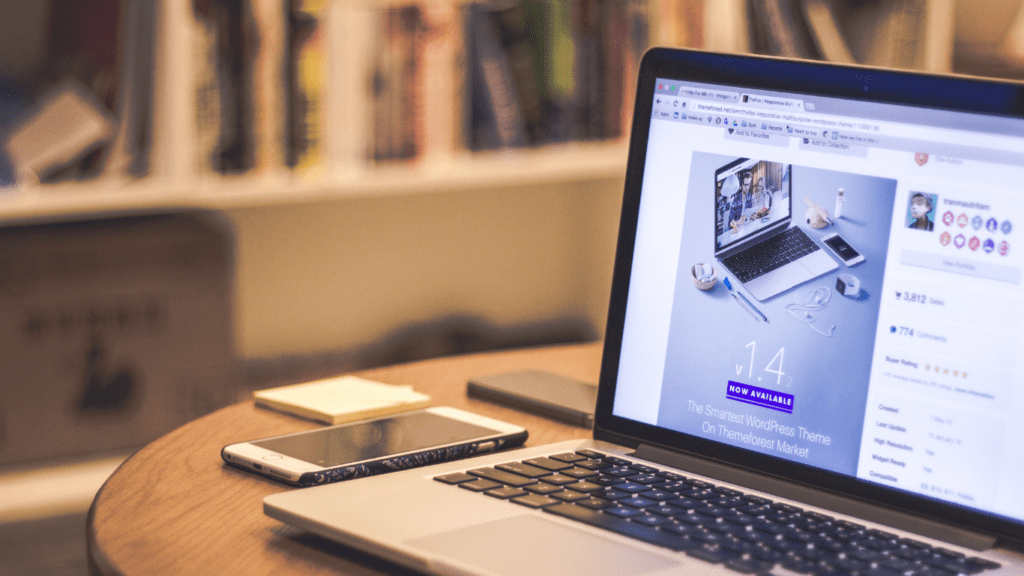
(517, 168)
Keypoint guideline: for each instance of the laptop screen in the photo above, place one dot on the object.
(751, 197)
(900, 370)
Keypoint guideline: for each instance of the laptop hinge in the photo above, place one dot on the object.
(820, 498)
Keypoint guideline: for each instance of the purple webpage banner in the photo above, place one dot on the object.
(760, 397)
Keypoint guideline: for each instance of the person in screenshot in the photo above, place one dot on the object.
(920, 206)
(742, 200)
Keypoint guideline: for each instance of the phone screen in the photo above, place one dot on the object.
(338, 445)
(844, 250)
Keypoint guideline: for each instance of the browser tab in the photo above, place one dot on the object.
(773, 102)
(716, 95)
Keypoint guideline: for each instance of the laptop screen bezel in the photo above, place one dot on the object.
(936, 92)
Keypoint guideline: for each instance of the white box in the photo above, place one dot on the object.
(112, 333)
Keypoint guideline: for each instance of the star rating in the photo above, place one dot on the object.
(945, 371)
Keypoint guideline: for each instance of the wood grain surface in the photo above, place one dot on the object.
(174, 507)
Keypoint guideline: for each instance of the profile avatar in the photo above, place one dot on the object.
(921, 207)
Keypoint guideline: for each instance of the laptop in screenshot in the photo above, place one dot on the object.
(755, 238)
(863, 420)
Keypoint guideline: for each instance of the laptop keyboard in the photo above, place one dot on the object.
(769, 254)
(747, 533)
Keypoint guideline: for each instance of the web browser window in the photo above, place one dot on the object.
(900, 364)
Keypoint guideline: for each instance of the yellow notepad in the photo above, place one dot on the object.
(342, 399)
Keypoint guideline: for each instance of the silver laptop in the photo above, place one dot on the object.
(755, 237)
(872, 426)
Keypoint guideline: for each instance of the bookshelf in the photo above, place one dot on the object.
(528, 222)
(330, 100)
(569, 164)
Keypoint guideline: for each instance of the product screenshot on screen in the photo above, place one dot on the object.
(867, 319)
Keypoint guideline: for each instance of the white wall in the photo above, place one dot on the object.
(338, 275)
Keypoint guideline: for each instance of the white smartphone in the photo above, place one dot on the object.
(842, 249)
(373, 446)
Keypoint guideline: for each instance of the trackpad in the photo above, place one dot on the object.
(532, 545)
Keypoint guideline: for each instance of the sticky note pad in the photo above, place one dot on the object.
(341, 399)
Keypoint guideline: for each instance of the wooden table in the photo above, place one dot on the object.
(175, 508)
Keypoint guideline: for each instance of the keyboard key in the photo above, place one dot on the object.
(584, 486)
(644, 478)
(455, 478)
(672, 476)
(798, 564)
(611, 494)
(659, 495)
(671, 486)
(680, 529)
(523, 469)
(506, 478)
(568, 495)
(535, 501)
(666, 510)
(645, 469)
(699, 494)
(605, 480)
(559, 479)
(579, 473)
(637, 502)
(898, 564)
(728, 492)
(548, 463)
(480, 485)
(594, 503)
(727, 502)
(590, 454)
(542, 488)
(648, 519)
(568, 457)
(506, 492)
(618, 471)
(715, 511)
(632, 487)
(593, 464)
(687, 503)
(621, 511)
(616, 461)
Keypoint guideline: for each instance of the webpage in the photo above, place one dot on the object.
(897, 361)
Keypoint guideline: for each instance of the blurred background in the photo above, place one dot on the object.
(200, 198)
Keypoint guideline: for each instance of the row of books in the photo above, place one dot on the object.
(251, 86)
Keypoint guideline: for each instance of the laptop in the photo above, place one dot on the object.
(871, 426)
(755, 237)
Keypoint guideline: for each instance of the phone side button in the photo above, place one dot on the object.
(486, 446)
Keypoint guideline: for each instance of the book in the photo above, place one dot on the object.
(306, 67)
(341, 399)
